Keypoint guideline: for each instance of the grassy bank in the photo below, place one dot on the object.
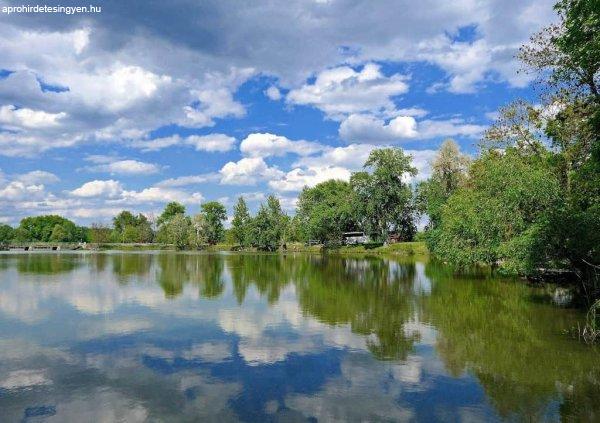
(132, 247)
(400, 249)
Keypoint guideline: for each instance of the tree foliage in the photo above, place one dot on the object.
(129, 228)
(326, 210)
(49, 228)
(179, 230)
(171, 210)
(100, 233)
(532, 199)
(384, 201)
(7, 234)
(449, 170)
(497, 217)
(214, 215)
(269, 225)
(569, 51)
(240, 224)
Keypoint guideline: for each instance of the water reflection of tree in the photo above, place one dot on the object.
(98, 262)
(374, 296)
(269, 273)
(126, 266)
(172, 273)
(513, 345)
(201, 270)
(47, 264)
(209, 275)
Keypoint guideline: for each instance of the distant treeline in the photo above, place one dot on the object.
(377, 201)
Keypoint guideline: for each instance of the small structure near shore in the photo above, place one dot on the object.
(354, 238)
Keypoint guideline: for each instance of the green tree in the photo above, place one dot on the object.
(498, 218)
(240, 224)
(269, 225)
(450, 166)
(295, 231)
(326, 210)
(21, 235)
(449, 170)
(7, 234)
(41, 228)
(278, 218)
(122, 220)
(144, 229)
(60, 234)
(537, 205)
(99, 233)
(198, 233)
(171, 210)
(214, 215)
(567, 54)
(384, 199)
(566, 57)
(179, 230)
(131, 234)
(131, 228)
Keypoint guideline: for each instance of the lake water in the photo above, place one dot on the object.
(194, 337)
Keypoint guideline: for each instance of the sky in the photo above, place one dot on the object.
(148, 102)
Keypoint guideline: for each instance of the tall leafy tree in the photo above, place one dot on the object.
(269, 225)
(60, 234)
(214, 214)
(122, 220)
(7, 234)
(326, 210)
(198, 232)
(449, 171)
(171, 210)
(240, 224)
(384, 198)
(99, 233)
(179, 231)
(532, 200)
(131, 228)
(566, 55)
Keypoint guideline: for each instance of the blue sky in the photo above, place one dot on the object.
(147, 102)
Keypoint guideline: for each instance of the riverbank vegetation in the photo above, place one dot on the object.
(530, 201)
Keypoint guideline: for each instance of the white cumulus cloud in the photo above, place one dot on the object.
(248, 171)
(210, 143)
(342, 90)
(12, 117)
(97, 188)
(273, 93)
(369, 129)
(266, 144)
(372, 130)
(296, 179)
(125, 167)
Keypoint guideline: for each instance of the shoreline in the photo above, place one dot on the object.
(416, 248)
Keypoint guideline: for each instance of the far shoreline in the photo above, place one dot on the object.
(407, 249)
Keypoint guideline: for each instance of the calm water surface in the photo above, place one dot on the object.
(192, 337)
